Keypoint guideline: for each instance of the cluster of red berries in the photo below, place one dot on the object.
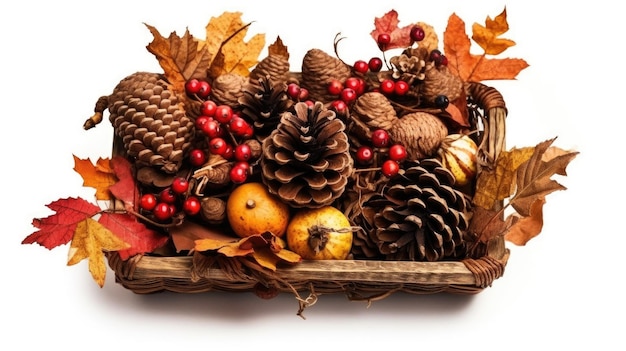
(225, 131)
(164, 205)
(394, 153)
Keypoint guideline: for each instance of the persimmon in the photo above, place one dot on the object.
(320, 234)
(251, 209)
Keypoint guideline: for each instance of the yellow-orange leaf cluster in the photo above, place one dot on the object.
(99, 176)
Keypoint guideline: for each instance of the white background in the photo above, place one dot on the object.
(561, 290)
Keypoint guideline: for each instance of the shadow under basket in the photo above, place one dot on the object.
(362, 280)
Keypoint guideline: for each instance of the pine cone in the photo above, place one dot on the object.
(319, 69)
(411, 65)
(421, 134)
(306, 160)
(439, 80)
(274, 66)
(419, 216)
(151, 121)
(263, 102)
(375, 110)
(228, 88)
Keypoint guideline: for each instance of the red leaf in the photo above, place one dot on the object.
(125, 189)
(388, 24)
(58, 229)
(130, 230)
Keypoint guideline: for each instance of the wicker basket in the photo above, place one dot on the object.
(358, 279)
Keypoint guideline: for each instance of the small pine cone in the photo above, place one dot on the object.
(409, 66)
(213, 210)
(228, 88)
(319, 69)
(419, 216)
(274, 66)
(375, 110)
(262, 102)
(440, 81)
(421, 134)
(306, 160)
(151, 121)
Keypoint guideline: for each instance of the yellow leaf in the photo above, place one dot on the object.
(431, 40)
(487, 36)
(89, 241)
(493, 186)
(100, 176)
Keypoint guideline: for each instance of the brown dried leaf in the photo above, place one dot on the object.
(184, 236)
(278, 48)
(526, 228)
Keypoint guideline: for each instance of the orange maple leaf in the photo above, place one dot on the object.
(99, 176)
(90, 241)
(475, 68)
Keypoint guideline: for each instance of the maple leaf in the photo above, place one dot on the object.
(58, 229)
(487, 36)
(125, 189)
(475, 68)
(265, 249)
(127, 228)
(99, 176)
(90, 240)
(181, 58)
(225, 39)
(388, 24)
(277, 48)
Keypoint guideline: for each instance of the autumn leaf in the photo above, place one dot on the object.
(487, 36)
(225, 39)
(125, 189)
(495, 185)
(181, 58)
(431, 39)
(534, 177)
(127, 228)
(277, 48)
(526, 228)
(58, 229)
(388, 24)
(265, 249)
(99, 176)
(90, 241)
(475, 68)
(184, 236)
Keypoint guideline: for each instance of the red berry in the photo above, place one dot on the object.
(361, 66)
(417, 33)
(248, 132)
(356, 84)
(243, 152)
(148, 202)
(192, 205)
(167, 196)
(304, 94)
(401, 88)
(162, 211)
(238, 126)
(390, 168)
(364, 154)
(208, 108)
(309, 103)
(212, 129)
(434, 55)
(443, 60)
(340, 107)
(293, 91)
(348, 95)
(197, 157)
(201, 121)
(238, 175)
(218, 146)
(380, 138)
(335, 87)
(192, 86)
(375, 64)
(383, 40)
(180, 185)
(229, 153)
(223, 113)
(397, 152)
(205, 89)
(242, 164)
(387, 87)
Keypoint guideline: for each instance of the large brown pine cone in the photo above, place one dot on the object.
(151, 121)
(419, 216)
(319, 69)
(274, 66)
(306, 160)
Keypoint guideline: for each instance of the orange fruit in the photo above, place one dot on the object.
(251, 209)
(320, 234)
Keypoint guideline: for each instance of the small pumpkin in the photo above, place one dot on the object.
(320, 234)
(458, 154)
(251, 209)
